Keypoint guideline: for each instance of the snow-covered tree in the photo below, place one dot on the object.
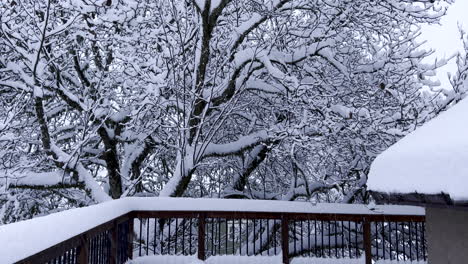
(271, 99)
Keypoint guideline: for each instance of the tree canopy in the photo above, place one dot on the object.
(254, 99)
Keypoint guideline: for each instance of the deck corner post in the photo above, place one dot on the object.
(83, 250)
(113, 243)
(285, 238)
(131, 230)
(201, 236)
(367, 241)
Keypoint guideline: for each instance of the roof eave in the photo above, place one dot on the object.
(419, 199)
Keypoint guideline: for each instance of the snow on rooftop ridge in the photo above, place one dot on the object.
(25, 238)
(430, 160)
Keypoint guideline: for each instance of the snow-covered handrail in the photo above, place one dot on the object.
(24, 239)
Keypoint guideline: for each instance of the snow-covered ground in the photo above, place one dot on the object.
(25, 238)
(254, 260)
(432, 159)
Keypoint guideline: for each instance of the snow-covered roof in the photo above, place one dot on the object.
(25, 238)
(433, 159)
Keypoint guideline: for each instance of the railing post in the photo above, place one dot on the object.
(114, 241)
(201, 236)
(367, 241)
(285, 238)
(83, 250)
(130, 237)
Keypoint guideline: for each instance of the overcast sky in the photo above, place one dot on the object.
(445, 38)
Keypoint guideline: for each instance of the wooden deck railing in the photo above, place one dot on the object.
(208, 233)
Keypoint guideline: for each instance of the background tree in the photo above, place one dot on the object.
(267, 99)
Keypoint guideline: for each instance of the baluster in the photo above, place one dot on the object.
(233, 238)
(356, 239)
(390, 239)
(240, 237)
(417, 240)
(336, 239)
(410, 241)
(154, 236)
(302, 240)
(349, 239)
(140, 237)
(423, 225)
(183, 236)
(254, 223)
(322, 247)
(190, 237)
(226, 234)
(342, 240)
(397, 242)
(261, 232)
(275, 238)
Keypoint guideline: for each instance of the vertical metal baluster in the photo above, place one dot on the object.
(423, 226)
(169, 222)
(147, 236)
(226, 234)
(219, 236)
(417, 240)
(410, 241)
(294, 234)
(96, 259)
(261, 232)
(321, 229)
(308, 238)
(183, 236)
(154, 237)
(190, 237)
(233, 237)
(302, 239)
(175, 233)
(240, 237)
(90, 250)
(377, 240)
(390, 238)
(274, 237)
(103, 247)
(329, 239)
(212, 237)
(356, 239)
(268, 237)
(96, 245)
(342, 239)
(336, 239)
(106, 247)
(404, 244)
(383, 239)
(247, 236)
(397, 242)
(315, 239)
(96, 249)
(349, 239)
(140, 238)
(254, 240)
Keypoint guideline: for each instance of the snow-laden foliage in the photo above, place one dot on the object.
(270, 99)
